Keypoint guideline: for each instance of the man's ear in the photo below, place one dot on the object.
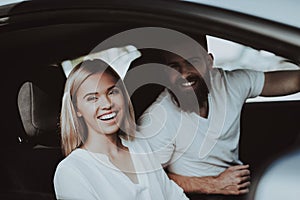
(210, 60)
(211, 56)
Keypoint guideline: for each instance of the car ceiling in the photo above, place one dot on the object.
(53, 26)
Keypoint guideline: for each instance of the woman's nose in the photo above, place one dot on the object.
(105, 103)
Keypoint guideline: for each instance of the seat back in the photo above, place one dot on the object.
(39, 115)
(30, 166)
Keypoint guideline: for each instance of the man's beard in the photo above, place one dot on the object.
(190, 100)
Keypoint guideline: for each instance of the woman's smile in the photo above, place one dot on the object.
(108, 116)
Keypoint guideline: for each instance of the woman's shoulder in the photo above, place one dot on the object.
(73, 159)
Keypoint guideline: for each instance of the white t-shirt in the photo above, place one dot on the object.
(194, 146)
(91, 176)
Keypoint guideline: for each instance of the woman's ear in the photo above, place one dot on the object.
(78, 114)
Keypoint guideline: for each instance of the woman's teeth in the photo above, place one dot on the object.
(108, 116)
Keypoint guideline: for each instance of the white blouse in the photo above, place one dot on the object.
(86, 175)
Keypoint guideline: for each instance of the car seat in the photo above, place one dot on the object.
(30, 168)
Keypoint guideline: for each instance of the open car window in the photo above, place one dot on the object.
(230, 56)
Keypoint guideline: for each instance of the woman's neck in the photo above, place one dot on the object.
(106, 144)
(117, 153)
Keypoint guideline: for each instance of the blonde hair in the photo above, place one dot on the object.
(73, 128)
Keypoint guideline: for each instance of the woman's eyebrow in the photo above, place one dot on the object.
(111, 87)
(95, 93)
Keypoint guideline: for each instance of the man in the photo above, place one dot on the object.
(194, 125)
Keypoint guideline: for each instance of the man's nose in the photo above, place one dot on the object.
(184, 68)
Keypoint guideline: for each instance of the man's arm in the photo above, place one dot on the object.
(279, 83)
(233, 181)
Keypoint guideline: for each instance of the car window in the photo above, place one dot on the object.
(230, 55)
(7, 2)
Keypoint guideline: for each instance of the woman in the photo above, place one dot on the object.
(103, 160)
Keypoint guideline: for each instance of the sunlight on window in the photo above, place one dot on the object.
(230, 55)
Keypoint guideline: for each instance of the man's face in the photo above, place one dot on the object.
(190, 74)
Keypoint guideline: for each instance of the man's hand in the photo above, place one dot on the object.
(234, 180)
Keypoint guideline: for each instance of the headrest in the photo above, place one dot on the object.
(38, 112)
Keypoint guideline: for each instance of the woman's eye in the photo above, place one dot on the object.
(92, 98)
(114, 91)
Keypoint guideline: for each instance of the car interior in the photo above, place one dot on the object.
(33, 89)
